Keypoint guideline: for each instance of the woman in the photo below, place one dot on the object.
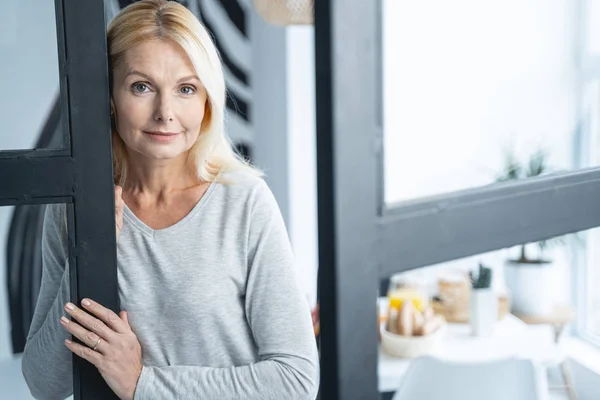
(205, 269)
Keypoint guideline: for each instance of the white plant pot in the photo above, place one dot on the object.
(483, 310)
(531, 287)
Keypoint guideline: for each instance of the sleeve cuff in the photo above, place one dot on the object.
(141, 389)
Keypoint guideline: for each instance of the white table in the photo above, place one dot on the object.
(511, 338)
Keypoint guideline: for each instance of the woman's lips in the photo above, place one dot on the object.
(162, 136)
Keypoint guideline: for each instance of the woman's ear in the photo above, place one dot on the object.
(112, 107)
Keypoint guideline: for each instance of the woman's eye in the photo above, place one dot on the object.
(139, 87)
(188, 89)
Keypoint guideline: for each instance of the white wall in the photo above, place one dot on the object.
(269, 111)
(29, 84)
(302, 172)
(284, 134)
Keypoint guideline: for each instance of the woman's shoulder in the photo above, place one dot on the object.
(241, 181)
(245, 186)
(240, 178)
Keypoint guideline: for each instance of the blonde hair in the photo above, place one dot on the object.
(168, 20)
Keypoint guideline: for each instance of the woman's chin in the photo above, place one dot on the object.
(161, 154)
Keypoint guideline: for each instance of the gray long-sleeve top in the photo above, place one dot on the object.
(212, 299)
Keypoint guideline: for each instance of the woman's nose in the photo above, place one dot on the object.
(164, 111)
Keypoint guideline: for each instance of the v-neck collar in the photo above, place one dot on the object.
(140, 225)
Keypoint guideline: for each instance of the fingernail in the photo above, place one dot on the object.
(86, 303)
(64, 320)
(67, 341)
(70, 306)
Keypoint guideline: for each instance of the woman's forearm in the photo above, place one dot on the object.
(282, 376)
(47, 363)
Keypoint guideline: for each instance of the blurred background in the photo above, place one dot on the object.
(474, 93)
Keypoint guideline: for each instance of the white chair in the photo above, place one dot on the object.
(430, 378)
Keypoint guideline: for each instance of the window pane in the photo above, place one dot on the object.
(468, 83)
(593, 27)
(20, 279)
(29, 76)
(590, 150)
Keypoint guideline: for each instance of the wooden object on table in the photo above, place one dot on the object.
(458, 312)
(560, 317)
(454, 290)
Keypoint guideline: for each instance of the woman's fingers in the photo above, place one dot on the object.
(86, 336)
(108, 316)
(94, 357)
(88, 322)
(119, 206)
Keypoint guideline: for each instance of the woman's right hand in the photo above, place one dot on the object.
(119, 207)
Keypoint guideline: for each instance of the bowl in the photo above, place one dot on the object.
(410, 346)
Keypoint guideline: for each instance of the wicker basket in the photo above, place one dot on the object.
(410, 346)
(286, 12)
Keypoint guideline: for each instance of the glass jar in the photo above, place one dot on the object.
(402, 289)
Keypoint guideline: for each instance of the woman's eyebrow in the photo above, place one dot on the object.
(187, 78)
(135, 72)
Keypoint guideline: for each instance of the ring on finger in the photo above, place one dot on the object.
(97, 343)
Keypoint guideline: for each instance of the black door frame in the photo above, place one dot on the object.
(80, 174)
(363, 240)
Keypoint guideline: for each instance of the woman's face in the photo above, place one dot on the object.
(158, 100)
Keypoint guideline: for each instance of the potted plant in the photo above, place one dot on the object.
(530, 278)
(483, 304)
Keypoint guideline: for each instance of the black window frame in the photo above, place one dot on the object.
(362, 240)
(81, 173)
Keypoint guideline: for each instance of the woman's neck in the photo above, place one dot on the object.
(154, 182)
